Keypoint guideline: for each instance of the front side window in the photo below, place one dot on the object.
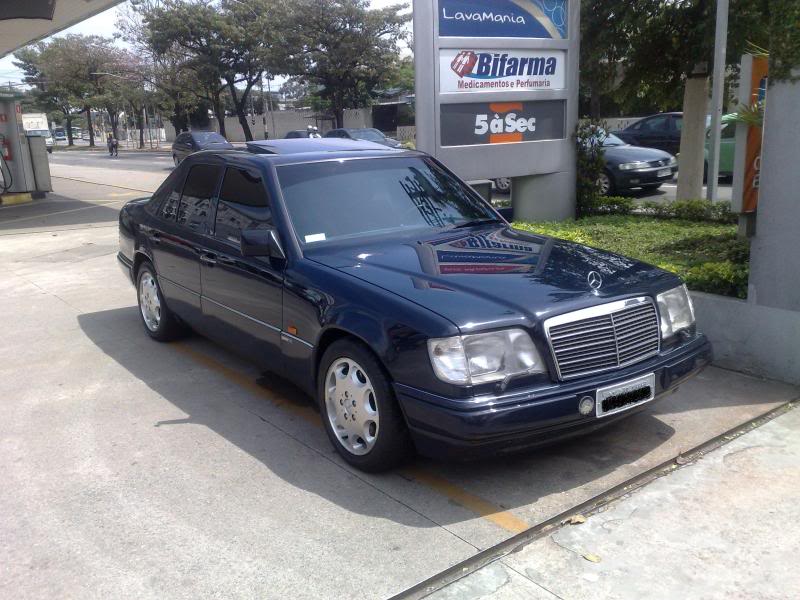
(242, 205)
(356, 198)
(201, 183)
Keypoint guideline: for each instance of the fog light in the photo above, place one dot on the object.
(586, 405)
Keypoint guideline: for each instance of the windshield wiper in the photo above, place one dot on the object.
(475, 222)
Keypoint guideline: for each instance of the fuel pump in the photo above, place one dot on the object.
(24, 166)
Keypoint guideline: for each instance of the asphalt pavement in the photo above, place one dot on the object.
(137, 469)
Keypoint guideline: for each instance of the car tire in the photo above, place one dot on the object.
(159, 322)
(503, 184)
(49, 150)
(605, 184)
(359, 410)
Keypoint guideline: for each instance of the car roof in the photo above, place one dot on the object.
(357, 150)
(315, 145)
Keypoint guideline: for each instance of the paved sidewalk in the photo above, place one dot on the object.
(724, 527)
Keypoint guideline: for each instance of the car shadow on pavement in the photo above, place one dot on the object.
(266, 426)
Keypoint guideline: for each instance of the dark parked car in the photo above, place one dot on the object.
(628, 167)
(369, 134)
(662, 131)
(189, 142)
(386, 288)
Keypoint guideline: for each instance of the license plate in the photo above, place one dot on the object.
(663, 172)
(622, 396)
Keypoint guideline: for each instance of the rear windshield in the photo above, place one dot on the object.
(208, 137)
(345, 199)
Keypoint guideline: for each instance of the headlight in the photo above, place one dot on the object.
(484, 357)
(676, 311)
(672, 162)
(632, 166)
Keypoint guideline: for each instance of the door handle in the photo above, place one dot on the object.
(208, 259)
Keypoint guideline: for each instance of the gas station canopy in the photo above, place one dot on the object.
(22, 23)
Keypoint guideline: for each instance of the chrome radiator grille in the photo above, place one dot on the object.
(603, 337)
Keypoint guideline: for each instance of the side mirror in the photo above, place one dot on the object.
(261, 242)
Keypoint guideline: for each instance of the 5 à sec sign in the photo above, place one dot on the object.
(501, 96)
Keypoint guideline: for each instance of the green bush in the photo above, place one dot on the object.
(690, 210)
(589, 150)
(611, 205)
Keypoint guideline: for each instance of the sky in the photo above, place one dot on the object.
(104, 24)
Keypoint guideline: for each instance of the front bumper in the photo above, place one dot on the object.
(443, 427)
(632, 179)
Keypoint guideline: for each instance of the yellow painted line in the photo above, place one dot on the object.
(15, 198)
(476, 504)
(481, 507)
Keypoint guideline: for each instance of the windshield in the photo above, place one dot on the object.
(39, 132)
(611, 140)
(371, 135)
(345, 199)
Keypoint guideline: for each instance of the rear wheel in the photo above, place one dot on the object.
(159, 322)
(359, 411)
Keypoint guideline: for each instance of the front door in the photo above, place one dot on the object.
(242, 296)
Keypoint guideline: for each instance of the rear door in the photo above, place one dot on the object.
(186, 220)
(655, 133)
(242, 296)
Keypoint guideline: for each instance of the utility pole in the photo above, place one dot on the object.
(271, 112)
(720, 46)
(263, 107)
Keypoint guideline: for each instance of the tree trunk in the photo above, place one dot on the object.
(219, 112)
(139, 122)
(68, 119)
(113, 118)
(693, 135)
(239, 104)
(88, 112)
(338, 113)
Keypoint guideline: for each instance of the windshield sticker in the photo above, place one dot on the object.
(315, 237)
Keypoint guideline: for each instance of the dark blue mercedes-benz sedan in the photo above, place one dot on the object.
(386, 288)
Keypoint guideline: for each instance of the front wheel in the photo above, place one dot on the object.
(359, 411)
(503, 184)
(605, 185)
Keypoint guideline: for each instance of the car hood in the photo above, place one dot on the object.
(628, 153)
(492, 276)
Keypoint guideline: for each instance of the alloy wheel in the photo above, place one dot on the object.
(149, 303)
(351, 406)
(603, 184)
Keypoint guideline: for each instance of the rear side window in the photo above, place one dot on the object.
(201, 183)
(166, 190)
(242, 205)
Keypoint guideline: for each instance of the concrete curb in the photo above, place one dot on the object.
(489, 555)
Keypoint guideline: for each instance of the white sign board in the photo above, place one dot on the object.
(467, 70)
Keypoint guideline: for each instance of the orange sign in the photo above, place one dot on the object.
(752, 165)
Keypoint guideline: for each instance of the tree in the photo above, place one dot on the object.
(226, 41)
(346, 48)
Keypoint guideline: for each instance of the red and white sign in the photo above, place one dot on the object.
(501, 70)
